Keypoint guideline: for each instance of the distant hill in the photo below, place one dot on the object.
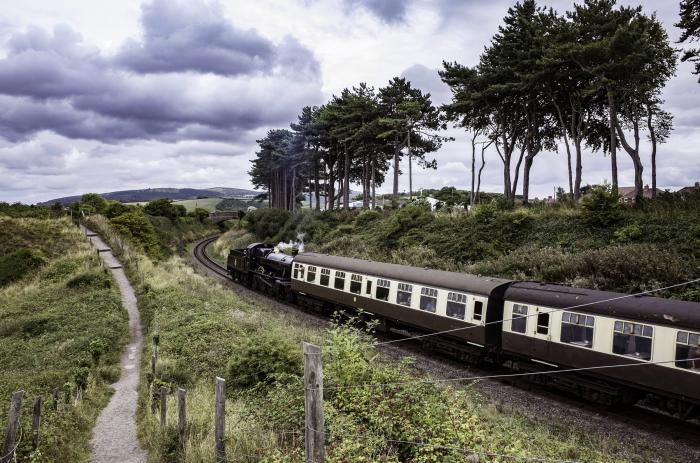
(134, 196)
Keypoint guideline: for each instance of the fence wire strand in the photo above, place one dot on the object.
(502, 376)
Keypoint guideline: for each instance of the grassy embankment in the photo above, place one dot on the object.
(58, 307)
(206, 330)
(619, 249)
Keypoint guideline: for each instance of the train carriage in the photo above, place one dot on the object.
(565, 327)
(422, 299)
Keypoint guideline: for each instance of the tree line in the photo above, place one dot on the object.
(591, 78)
(352, 139)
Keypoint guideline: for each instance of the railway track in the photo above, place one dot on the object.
(200, 254)
(650, 423)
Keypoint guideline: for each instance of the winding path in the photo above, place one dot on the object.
(114, 437)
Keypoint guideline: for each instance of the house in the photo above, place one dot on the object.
(432, 201)
(689, 190)
(627, 193)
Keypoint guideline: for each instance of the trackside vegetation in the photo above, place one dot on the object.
(206, 330)
(159, 228)
(598, 243)
(62, 327)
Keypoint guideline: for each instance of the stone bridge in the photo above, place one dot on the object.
(221, 216)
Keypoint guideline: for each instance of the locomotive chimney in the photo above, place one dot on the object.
(295, 250)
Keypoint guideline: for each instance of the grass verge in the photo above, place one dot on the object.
(61, 326)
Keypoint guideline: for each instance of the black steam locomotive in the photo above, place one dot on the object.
(652, 345)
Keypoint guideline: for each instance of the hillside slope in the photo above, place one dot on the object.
(148, 194)
(62, 327)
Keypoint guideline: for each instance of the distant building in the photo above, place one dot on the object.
(627, 193)
(689, 189)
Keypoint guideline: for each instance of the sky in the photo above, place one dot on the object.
(105, 96)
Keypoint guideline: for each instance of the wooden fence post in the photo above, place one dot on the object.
(314, 433)
(8, 448)
(219, 420)
(36, 422)
(153, 365)
(163, 405)
(181, 415)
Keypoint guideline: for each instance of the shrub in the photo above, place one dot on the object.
(97, 348)
(93, 202)
(600, 207)
(136, 227)
(165, 208)
(266, 223)
(109, 374)
(262, 359)
(628, 233)
(410, 217)
(199, 214)
(367, 217)
(92, 279)
(17, 264)
(116, 208)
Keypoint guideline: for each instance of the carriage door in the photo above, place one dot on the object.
(542, 326)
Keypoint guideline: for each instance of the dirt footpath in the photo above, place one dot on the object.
(114, 437)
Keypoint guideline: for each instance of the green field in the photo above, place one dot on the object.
(190, 204)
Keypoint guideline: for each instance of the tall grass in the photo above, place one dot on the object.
(48, 319)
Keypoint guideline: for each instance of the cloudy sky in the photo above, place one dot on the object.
(103, 96)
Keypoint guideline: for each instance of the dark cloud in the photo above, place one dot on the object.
(190, 36)
(389, 11)
(193, 76)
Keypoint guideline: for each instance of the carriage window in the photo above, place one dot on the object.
(456, 305)
(369, 287)
(633, 340)
(311, 274)
(518, 323)
(577, 329)
(403, 295)
(356, 284)
(296, 271)
(325, 276)
(339, 280)
(383, 290)
(428, 299)
(478, 310)
(543, 323)
(301, 272)
(688, 350)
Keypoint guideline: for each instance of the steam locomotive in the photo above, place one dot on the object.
(651, 345)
